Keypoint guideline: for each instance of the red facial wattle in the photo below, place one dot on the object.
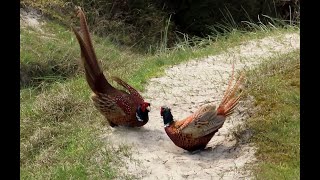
(144, 106)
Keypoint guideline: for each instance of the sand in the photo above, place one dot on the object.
(184, 88)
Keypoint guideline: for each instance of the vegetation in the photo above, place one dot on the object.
(194, 17)
(137, 24)
(59, 125)
(276, 121)
(146, 24)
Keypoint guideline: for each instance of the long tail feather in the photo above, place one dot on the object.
(225, 96)
(90, 75)
(87, 39)
(94, 75)
(229, 100)
(232, 105)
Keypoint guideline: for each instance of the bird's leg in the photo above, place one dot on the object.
(195, 151)
(207, 149)
(112, 124)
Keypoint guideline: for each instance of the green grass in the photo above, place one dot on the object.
(59, 136)
(275, 121)
(59, 127)
(153, 66)
(58, 58)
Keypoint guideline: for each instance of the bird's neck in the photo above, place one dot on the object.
(168, 124)
(167, 118)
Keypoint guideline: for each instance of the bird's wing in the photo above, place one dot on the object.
(108, 106)
(135, 94)
(202, 122)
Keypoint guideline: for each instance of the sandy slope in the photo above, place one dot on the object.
(184, 88)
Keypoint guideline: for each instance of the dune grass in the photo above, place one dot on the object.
(59, 127)
(275, 121)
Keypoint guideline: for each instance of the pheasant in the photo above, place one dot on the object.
(119, 107)
(194, 132)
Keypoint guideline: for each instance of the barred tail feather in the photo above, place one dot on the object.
(225, 96)
(229, 100)
(94, 75)
(87, 39)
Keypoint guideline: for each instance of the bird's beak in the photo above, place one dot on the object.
(149, 108)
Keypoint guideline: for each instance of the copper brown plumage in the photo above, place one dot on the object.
(119, 107)
(194, 132)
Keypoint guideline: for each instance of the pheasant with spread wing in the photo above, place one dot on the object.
(194, 132)
(118, 106)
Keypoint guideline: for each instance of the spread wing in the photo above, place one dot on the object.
(108, 106)
(135, 94)
(202, 122)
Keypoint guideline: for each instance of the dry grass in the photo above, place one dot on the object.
(275, 120)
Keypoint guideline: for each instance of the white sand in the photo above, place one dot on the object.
(185, 88)
(30, 17)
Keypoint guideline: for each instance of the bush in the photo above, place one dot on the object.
(142, 23)
(132, 23)
(195, 17)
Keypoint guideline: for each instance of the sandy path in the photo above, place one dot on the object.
(184, 88)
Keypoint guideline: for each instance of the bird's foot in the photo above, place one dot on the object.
(207, 149)
(195, 151)
(199, 150)
(112, 124)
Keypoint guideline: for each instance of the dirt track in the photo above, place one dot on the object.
(185, 88)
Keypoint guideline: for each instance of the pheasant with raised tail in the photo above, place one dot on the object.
(118, 106)
(194, 132)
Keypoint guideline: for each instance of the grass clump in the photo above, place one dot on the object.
(47, 55)
(275, 121)
(59, 130)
